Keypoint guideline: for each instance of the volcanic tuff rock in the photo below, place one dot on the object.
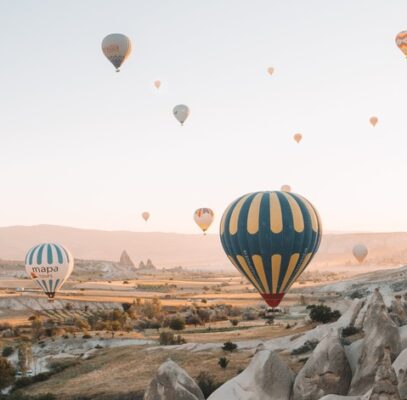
(385, 385)
(125, 260)
(171, 382)
(326, 371)
(266, 377)
(380, 332)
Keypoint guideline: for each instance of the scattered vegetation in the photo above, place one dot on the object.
(322, 313)
(168, 338)
(207, 383)
(7, 373)
(229, 346)
(308, 346)
(7, 351)
(223, 362)
(349, 331)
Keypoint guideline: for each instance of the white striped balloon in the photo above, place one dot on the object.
(49, 265)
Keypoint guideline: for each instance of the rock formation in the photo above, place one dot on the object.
(125, 260)
(327, 371)
(380, 331)
(171, 382)
(266, 377)
(385, 385)
(398, 313)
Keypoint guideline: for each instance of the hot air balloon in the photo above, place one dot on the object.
(298, 137)
(374, 121)
(181, 113)
(401, 41)
(286, 188)
(116, 47)
(49, 265)
(271, 237)
(360, 252)
(204, 218)
(145, 215)
(270, 70)
(157, 84)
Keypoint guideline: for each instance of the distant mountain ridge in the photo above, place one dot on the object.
(189, 250)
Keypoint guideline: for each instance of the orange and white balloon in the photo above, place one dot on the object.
(157, 84)
(374, 121)
(270, 70)
(204, 218)
(298, 137)
(401, 41)
(145, 215)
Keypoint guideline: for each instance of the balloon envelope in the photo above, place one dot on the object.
(360, 252)
(157, 84)
(270, 70)
(298, 137)
(204, 218)
(271, 237)
(374, 121)
(401, 41)
(181, 112)
(49, 265)
(116, 47)
(145, 215)
(286, 188)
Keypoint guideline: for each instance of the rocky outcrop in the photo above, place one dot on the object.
(171, 382)
(266, 377)
(125, 260)
(380, 331)
(147, 266)
(402, 384)
(385, 385)
(398, 313)
(327, 371)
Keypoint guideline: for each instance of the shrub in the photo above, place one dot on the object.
(168, 338)
(234, 322)
(177, 324)
(349, 331)
(7, 373)
(7, 351)
(358, 294)
(223, 362)
(207, 383)
(229, 346)
(309, 345)
(250, 315)
(204, 301)
(322, 313)
(194, 319)
(86, 336)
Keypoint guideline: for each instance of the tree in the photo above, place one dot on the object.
(24, 356)
(322, 313)
(36, 326)
(151, 309)
(177, 323)
(229, 346)
(234, 322)
(204, 315)
(223, 362)
(207, 383)
(7, 351)
(194, 319)
(7, 373)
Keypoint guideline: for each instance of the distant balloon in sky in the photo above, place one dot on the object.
(360, 252)
(204, 218)
(145, 215)
(401, 41)
(157, 84)
(374, 121)
(286, 188)
(298, 137)
(49, 265)
(271, 237)
(270, 70)
(116, 47)
(181, 113)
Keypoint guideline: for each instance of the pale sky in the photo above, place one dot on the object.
(84, 146)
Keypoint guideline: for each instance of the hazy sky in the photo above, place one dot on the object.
(84, 146)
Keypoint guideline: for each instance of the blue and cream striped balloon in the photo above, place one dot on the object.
(49, 265)
(271, 237)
